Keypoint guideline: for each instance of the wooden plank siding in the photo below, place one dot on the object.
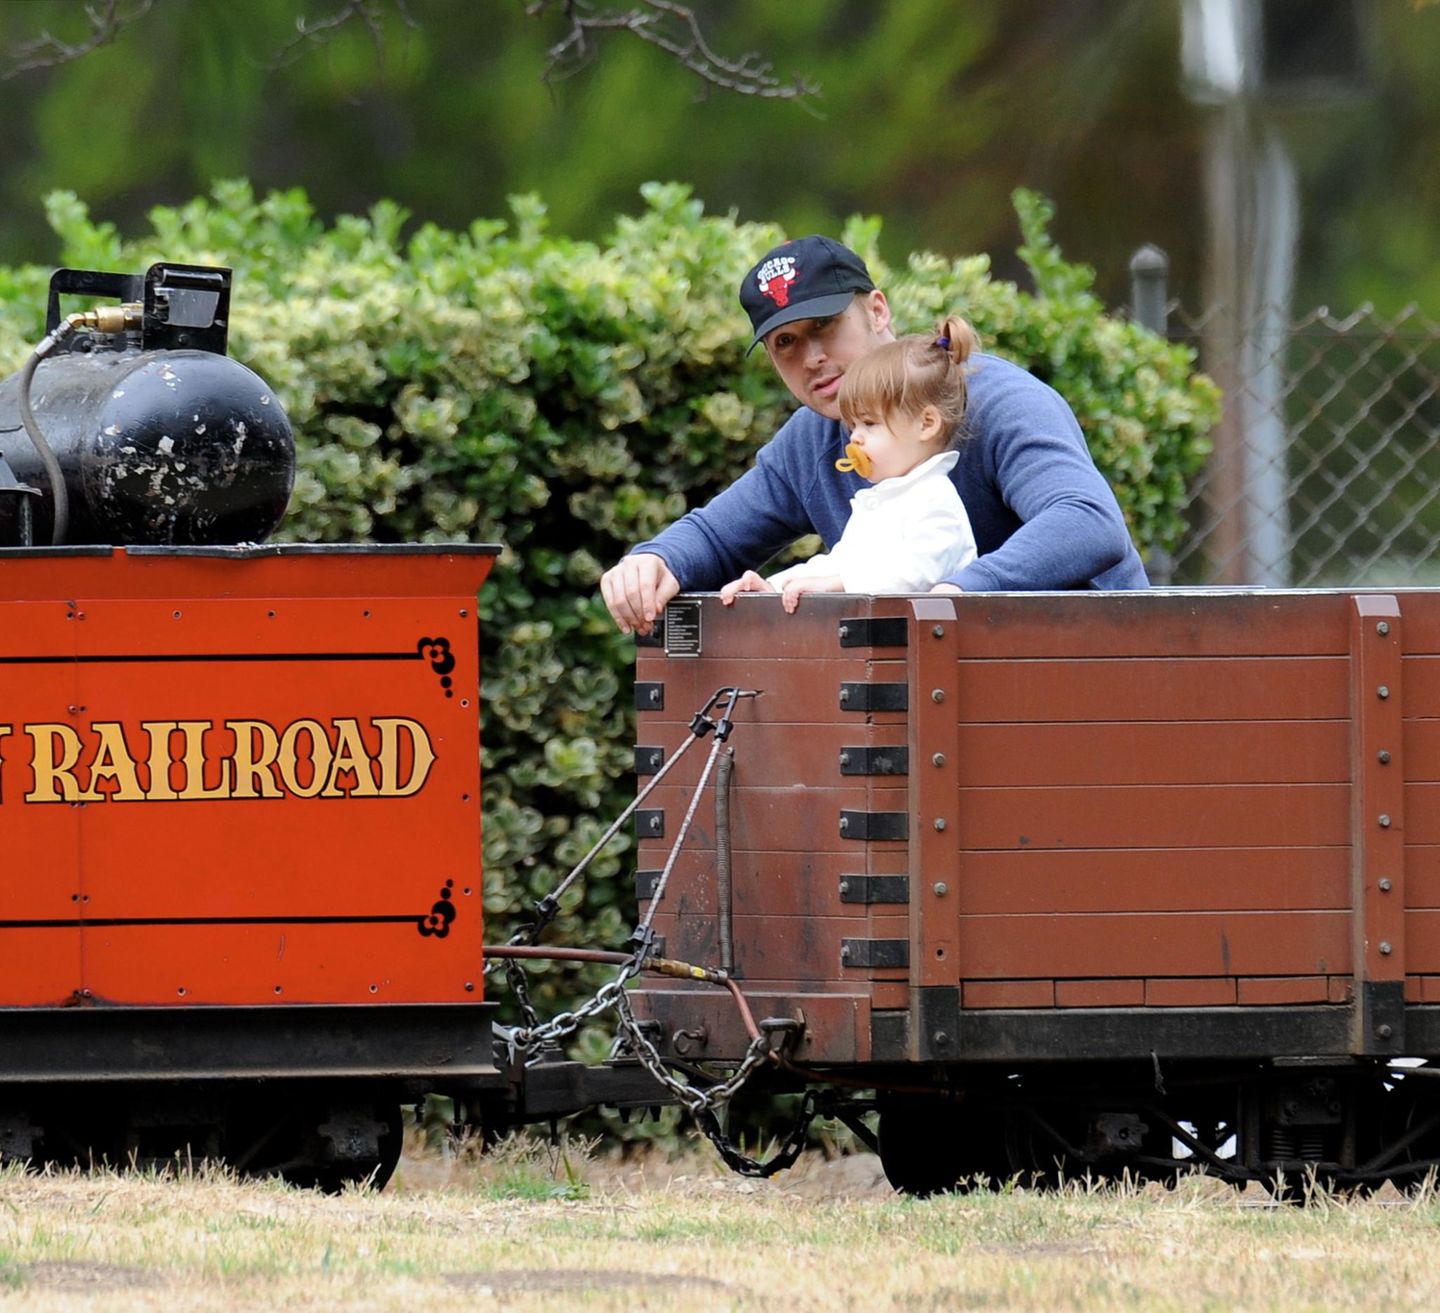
(1125, 801)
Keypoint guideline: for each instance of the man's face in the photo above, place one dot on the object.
(811, 355)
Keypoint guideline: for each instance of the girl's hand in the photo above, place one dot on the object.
(822, 583)
(749, 582)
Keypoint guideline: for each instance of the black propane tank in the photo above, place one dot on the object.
(159, 436)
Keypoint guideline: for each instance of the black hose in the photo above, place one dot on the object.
(59, 496)
(723, 892)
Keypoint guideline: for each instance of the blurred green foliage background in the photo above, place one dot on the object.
(931, 112)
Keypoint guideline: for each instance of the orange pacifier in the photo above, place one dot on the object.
(856, 459)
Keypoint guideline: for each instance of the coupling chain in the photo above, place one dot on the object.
(693, 1099)
(740, 1162)
(702, 1104)
(531, 1037)
(521, 989)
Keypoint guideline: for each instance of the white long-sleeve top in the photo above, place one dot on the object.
(904, 535)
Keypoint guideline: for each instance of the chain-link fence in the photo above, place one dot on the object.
(1326, 467)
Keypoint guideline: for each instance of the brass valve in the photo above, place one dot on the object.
(109, 318)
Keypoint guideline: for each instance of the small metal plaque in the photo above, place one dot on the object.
(682, 629)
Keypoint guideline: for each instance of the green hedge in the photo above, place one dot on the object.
(569, 399)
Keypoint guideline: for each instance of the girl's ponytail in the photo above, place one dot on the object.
(956, 338)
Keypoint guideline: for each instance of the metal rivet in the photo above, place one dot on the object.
(1383, 691)
(939, 822)
(1384, 756)
(1384, 1031)
(1385, 948)
(469, 986)
(938, 758)
(1384, 820)
(1385, 886)
(941, 889)
(939, 631)
(941, 1039)
(937, 695)
(1382, 628)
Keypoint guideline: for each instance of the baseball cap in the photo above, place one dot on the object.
(808, 278)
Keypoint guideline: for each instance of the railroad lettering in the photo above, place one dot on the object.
(195, 760)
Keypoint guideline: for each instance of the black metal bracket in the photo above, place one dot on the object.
(89, 283)
(876, 631)
(935, 1029)
(874, 761)
(874, 826)
(875, 889)
(187, 306)
(1380, 1018)
(874, 952)
(874, 697)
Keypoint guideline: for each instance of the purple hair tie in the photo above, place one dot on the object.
(943, 343)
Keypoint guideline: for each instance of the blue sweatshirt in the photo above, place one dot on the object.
(1044, 517)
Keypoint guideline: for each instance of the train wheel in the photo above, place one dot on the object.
(1410, 1113)
(357, 1145)
(327, 1145)
(933, 1145)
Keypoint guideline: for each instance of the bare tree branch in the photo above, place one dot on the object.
(670, 27)
(107, 19)
(370, 14)
(664, 24)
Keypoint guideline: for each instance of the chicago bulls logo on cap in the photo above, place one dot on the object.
(775, 277)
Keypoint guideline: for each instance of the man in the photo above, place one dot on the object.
(1043, 516)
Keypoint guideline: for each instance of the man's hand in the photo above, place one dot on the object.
(749, 582)
(636, 590)
(815, 583)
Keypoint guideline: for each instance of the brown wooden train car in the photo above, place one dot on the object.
(1102, 882)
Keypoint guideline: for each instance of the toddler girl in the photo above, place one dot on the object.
(904, 404)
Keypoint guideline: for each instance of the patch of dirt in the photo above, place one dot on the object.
(1044, 1249)
(73, 1274)
(544, 1280)
(851, 1176)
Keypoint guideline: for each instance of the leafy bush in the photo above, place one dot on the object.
(569, 399)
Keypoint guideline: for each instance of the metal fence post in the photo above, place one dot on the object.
(1150, 308)
(1149, 289)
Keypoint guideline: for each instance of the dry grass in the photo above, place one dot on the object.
(528, 1232)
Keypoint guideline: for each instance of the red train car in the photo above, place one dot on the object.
(1114, 882)
(239, 789)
